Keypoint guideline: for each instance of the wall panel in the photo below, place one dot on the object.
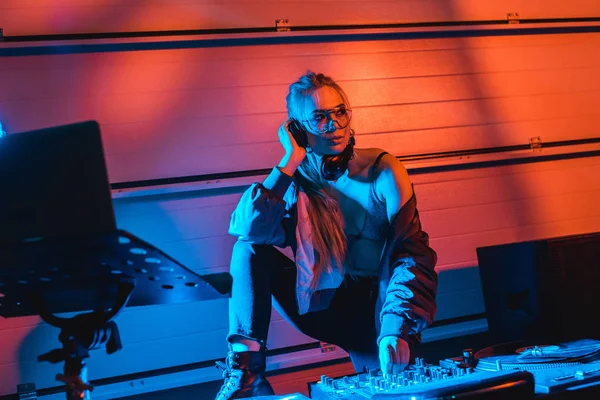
(37, 17)
(188, 112)
(216, 109)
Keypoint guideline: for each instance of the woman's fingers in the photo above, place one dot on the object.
(393, 356)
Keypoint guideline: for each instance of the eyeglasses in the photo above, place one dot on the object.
(323, 121)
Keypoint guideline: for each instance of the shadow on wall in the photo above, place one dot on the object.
(479, 110)
(460, 293)
(42, 339)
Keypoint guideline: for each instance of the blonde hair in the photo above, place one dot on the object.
(325, 216)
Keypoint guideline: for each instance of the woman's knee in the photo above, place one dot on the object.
(243, 247)
(241, 257)
(246, 256)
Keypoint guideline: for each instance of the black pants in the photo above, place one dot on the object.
(260, 271)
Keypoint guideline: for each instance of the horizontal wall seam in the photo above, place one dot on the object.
(412, 170)
(56, 49)
(301, 28)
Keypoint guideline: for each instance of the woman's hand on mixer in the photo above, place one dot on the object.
(394, 355)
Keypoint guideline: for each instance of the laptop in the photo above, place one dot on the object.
(54, 185)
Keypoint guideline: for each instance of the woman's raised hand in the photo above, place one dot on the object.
(291, 147)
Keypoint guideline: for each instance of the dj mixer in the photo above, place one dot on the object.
(424, 381)
(513, 370)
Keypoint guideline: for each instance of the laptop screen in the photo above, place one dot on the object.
(54, 184)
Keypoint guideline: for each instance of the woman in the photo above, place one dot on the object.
(363, 276)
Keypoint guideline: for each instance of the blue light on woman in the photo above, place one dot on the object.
(363, 273)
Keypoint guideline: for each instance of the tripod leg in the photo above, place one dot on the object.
(75, 377)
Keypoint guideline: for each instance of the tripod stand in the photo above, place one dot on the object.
(82, 275)
(80, 334)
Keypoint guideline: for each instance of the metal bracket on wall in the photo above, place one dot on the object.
(512, 18)
(535, 143)
(282, 25)
(27, 391)
(327, 347)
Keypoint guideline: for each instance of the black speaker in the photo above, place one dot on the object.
(543, 290)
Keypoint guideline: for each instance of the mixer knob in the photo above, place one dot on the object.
(468, 356)
(372, 381)
(405, 382)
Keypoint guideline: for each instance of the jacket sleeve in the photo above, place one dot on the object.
(409, 302)
(261, 212)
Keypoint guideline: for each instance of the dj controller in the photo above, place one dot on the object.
(424, 381)
(511, 371)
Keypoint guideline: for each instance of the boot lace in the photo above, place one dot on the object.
(232, 376)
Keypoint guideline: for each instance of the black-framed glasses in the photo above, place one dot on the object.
(323, 121)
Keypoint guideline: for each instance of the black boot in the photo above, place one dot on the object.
(244, 375)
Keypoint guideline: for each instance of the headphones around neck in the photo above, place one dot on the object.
(332, 166)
